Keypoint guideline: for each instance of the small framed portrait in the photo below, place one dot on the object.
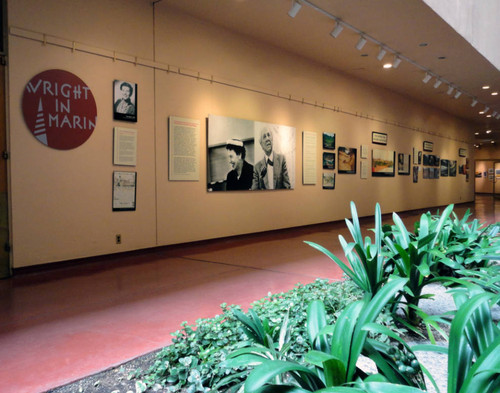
(328, 160)
(428, 146)
(125, 101)
(452, 165)
(403, 164)
(347, 160)
(328, 180)
(328, 141)
(445, 164)
(462, 152)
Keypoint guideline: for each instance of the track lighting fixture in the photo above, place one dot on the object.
(361, 43)
(381, 53)
(458, 94)
(474, 102)
(437, 83)
(486, 109)
(427, 77)
(337, 30)
(494, 114)
(450, 90)
(296, 6)
(397, 62)
(498, 117)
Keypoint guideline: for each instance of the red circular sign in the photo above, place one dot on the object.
(59, 109)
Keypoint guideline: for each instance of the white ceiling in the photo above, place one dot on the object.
(408, 27)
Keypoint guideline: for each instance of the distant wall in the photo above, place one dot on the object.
(61, 200)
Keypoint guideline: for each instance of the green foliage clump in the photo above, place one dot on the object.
(193, 359)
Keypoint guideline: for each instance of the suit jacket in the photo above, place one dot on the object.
(281, 179)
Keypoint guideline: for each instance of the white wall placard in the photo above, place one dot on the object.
(125, 146)
(183, 149)
(309, 159)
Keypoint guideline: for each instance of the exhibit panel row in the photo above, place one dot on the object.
(151, 169)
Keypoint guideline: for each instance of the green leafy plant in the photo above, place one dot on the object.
(193, 360)
(366, 261)
(335, 351)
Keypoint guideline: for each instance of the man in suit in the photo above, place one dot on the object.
(270, 172)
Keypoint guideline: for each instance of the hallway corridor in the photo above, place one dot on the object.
(67, 321)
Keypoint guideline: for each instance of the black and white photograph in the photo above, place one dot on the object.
(445, 164)
(452, 168)
(328, 140)
(328, 160)
(403, 164)
(415, 174)
(125, 101)
(124, 190)
(249, 155)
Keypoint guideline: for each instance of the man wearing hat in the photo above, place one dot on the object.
(240, 176)
(270, 172)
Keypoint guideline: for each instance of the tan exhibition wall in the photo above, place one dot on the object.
(61, 200)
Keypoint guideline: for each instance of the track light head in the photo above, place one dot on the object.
(486, 109)
(437, 83)
(450, 90)
(427, 77)
(296, 6)
(381, 53)
(474, 102)
(337, 30)
(458, 94)
(361, 43)
(396, 62)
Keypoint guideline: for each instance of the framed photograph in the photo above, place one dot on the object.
(452, 168)
(426, 174)
(383, 162)
(328, 180)
(248, 155)
(462, 152)
(125, 101)
(444, 168)
(415, 174)
(403, 164)
(379, 138)
(426, 159)
(124, 190)
(347, 160)
(124, 146)
(415, 156)
(328, 160)
(363, 169)
(428, 146)
(328, 140)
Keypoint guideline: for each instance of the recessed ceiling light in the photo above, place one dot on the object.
(387, 65)
(486, 87)
(481, 113)
(488, 115)
(476, 133)
(488, 131)
(494, 93)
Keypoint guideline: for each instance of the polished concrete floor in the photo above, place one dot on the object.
(68, 321)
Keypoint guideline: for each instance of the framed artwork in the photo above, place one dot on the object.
(452, 168)
(124, 190)
(426, 173)
(428, 146)
(329, 140)
(415, 174)
(379, 138)
(444, 168)
(248, 155)
(347, 160)
(462, 152)
(328, 160)
(403, 164)
(415, 156)
(328, 180)
(125, 101)
(383, 162)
